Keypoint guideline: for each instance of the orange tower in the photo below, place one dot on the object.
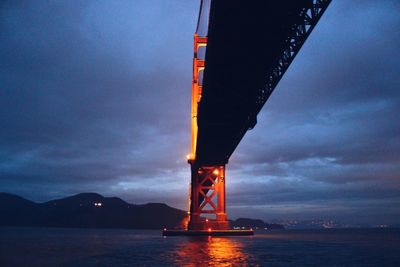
(207, 190)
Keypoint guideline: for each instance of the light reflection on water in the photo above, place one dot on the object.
(44, 247)
(219, 251)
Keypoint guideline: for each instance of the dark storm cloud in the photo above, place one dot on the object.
(95, 97)
(329, 135)
(89, 90)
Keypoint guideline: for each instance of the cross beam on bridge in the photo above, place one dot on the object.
(249, 46)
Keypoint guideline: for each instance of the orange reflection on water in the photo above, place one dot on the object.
(210, 251)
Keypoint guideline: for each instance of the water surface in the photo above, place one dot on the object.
(105, 247)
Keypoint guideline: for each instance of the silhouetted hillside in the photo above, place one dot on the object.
(15, 210)
(91, 210)
(87, 210)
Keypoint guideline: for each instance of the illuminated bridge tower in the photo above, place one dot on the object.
(249, 45)
(207, 207)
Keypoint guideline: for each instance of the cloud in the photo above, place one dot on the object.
(328, 136)
(93, 92)
(95, 96)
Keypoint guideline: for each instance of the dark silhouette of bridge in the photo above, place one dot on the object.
(241, 51)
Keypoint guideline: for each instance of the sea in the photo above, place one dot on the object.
(22, 246)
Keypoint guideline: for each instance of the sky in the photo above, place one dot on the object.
(95, 97)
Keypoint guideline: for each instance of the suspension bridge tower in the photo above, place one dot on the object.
(241, 51)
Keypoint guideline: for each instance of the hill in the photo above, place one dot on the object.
(89, 210)
(92, 210)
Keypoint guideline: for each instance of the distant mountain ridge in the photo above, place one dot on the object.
(89, 210)
(92, 210)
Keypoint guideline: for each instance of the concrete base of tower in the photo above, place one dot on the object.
(167, 232)
(207, 225)
(198, 223)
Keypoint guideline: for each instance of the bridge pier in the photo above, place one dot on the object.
(207, 205)
(207, 198)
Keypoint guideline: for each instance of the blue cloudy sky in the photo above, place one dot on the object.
(95, 97)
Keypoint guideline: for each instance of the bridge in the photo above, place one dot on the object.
(241, 51)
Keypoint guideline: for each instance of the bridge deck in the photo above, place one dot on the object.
(245, 39)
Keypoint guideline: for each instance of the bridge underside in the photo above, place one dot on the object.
(246, 40)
